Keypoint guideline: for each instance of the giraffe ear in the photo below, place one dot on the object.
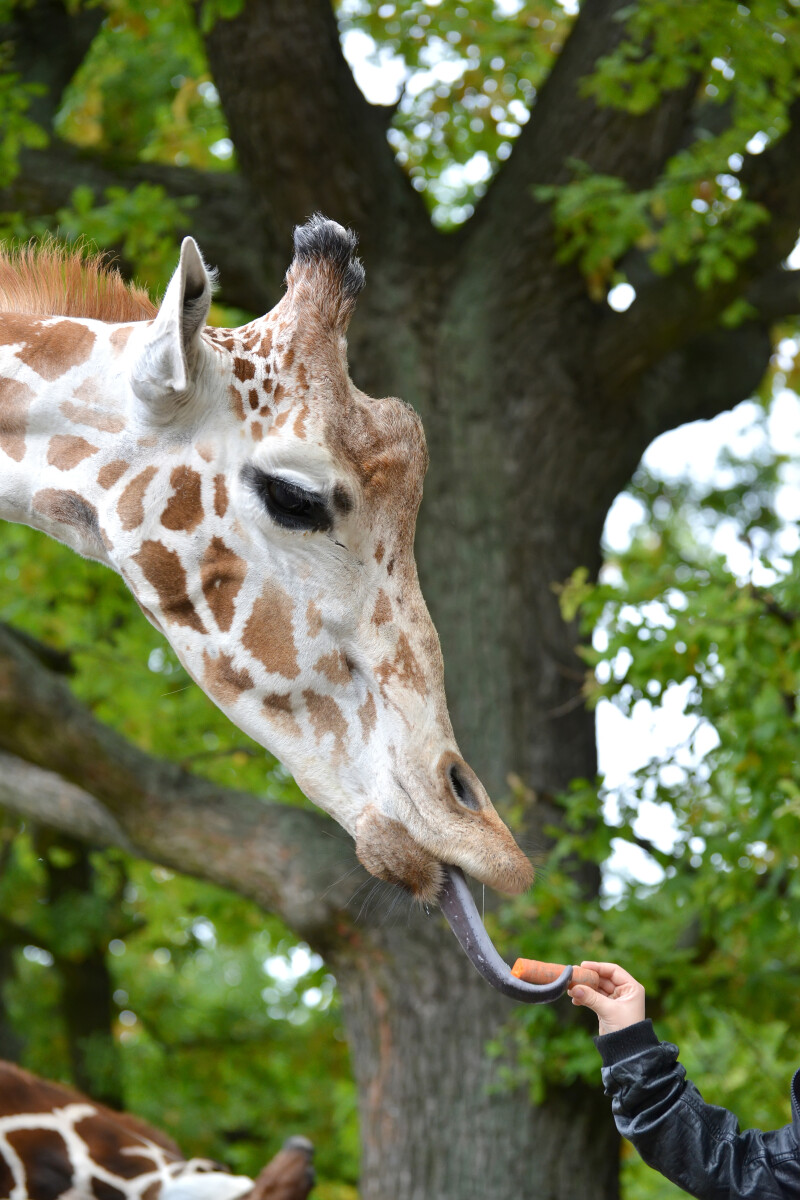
(166, 361)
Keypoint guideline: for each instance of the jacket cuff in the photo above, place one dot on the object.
(624, 1043)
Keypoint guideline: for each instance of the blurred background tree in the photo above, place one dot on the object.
(575, 226)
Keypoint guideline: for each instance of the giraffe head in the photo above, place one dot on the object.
(275, 550)
(262, 510)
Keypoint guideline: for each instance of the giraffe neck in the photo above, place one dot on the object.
(65, 1147)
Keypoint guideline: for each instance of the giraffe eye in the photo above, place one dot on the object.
(289, 505)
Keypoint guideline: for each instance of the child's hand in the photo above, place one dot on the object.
(618, 1002)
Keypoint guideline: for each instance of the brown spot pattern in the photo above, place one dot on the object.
(83, 414)
(383, 609)
(68, 508)
(388, 851)
(257, 431)
(313, 619)
(403, 667)
(334, 667)
(108, 475)
(184, 509)
(368, 715)
(220, 496)
(130, 506)
(326, 717)
(65, 451)
(300, 423)
(49, 349)
(269, 635)
(222, 680)
(163, 570)
(15, 399)
(236, 402)
(252, 399)
(278, 710)
(379, 553)
(221, 573)
(48, 1168)
(119, 338)
(105, 1191)
(244, 369)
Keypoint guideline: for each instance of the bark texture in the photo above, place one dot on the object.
(537, 404)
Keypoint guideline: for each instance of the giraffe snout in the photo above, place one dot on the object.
(451, 817)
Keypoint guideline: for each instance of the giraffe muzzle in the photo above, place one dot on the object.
(458, 906)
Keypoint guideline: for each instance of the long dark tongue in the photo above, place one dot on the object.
(458, 906)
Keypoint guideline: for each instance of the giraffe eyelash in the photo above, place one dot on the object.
(290, 506)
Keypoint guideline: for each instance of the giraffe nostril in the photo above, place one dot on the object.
(462, 790)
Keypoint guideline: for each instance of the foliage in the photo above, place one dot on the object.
(471, 76)
(143, 91)
(238, 1023)
(743, 59)
(212, 998)
(17, 130)
(141, 221)
(672, 615)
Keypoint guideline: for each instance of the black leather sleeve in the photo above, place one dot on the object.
(696, 1145)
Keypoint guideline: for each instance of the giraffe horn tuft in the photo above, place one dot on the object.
(325, 267)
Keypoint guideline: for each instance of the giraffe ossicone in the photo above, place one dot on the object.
(261, 508)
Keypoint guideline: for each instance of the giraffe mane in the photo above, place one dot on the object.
(49, 279)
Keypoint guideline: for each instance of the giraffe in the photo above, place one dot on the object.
(261, 509)
(56, 1144)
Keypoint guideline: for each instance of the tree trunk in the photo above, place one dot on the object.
(524, 465)
(491, 542)
(87, 1007)
(11, 1044)
(435, 1125)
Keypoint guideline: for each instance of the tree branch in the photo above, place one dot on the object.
(46, 799)
(305, 136)
(567, 125)
(89, 781)
(776, 294)
(669, 309)
(712, 373)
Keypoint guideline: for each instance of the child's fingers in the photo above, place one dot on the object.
(610, 972)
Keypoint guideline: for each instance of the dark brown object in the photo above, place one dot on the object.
(289, 1175)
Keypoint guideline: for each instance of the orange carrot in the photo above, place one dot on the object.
(533, 971)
